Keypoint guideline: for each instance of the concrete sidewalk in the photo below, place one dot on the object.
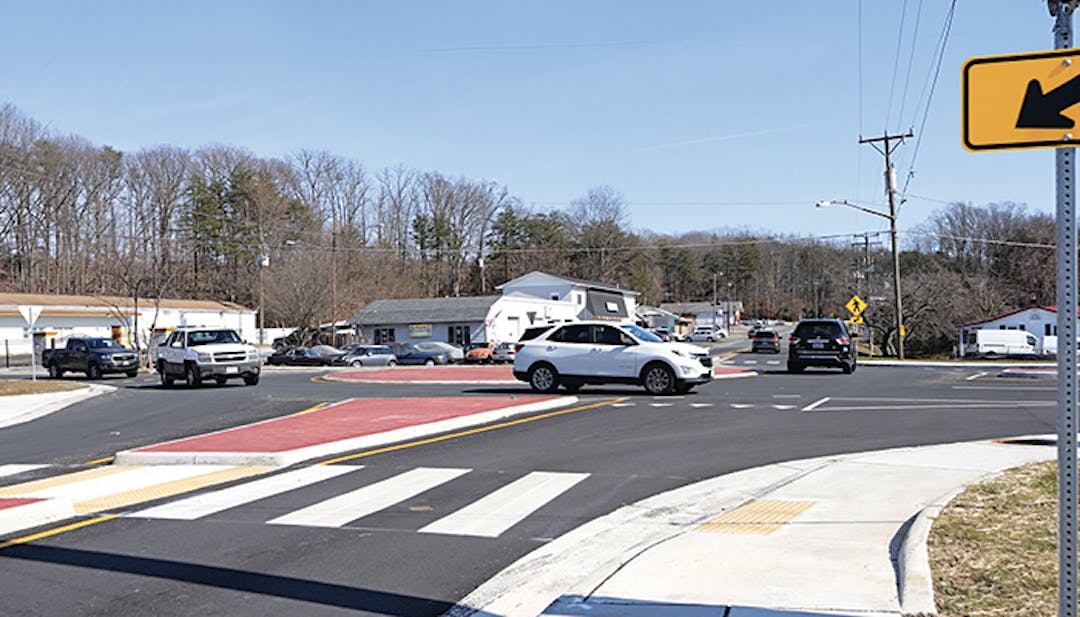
(842, 535)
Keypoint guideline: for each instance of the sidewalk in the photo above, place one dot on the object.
(842, 535)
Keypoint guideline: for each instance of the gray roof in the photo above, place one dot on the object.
(424, 310)
(582, 282)
(698, 308)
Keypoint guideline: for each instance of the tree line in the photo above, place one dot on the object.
(314, 236)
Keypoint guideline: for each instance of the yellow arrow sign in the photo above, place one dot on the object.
(1021, 101)
(856, 305)
(857, 320)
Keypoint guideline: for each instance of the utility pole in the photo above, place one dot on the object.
(864, 280)
(886, 148)
(333, 279)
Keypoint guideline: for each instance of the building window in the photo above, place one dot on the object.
(554, 296)
(384, 336)
(1046, 329)
(458, 335)
(1023, 327)
(581, 299)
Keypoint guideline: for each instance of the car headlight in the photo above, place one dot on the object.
(204, 357)
(253, 354)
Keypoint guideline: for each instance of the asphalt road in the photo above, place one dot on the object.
(235, 563)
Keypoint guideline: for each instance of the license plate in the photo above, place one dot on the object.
(232, 369)
(818, 345)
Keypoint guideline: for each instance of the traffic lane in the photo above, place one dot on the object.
(133, 567)
(141, 412)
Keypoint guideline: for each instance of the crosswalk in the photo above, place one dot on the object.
(321, 496)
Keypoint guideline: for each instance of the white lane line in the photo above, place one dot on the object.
(1008, 405)
(209, 503)
(783, 407)
(816, 404)
(773, 362)
(350, 506)
(490, 516)
(1008, 387)
(742, 405)
(623, 404)
(661, 404)
(134, 479)
(750, 362)
(15, 469)
(699, 405)
(975, 376)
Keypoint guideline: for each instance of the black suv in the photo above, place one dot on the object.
(821, 342)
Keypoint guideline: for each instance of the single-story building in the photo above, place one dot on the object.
(653, 318)
(531, 300)
(62, 316)
(1038, 320)
(724, 313)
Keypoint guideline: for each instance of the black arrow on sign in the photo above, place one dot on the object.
(1043, 110)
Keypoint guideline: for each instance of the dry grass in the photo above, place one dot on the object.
(24, 386)
(993, 550)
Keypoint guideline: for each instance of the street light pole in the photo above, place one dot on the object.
(891, 216)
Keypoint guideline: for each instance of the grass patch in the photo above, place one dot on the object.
(10, 387)
(993, 549)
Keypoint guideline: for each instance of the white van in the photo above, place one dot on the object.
(1005, 344)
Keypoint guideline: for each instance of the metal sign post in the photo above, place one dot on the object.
(30, 315)
(1067, 378)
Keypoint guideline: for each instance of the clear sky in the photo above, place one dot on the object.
(711, 114)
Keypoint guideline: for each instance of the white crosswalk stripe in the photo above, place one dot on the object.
(15, 469)
(490, 516)
(350, 506)
(223, 499)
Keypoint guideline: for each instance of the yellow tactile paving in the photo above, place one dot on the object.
(68, 478)
(761, 517)
(167, 489)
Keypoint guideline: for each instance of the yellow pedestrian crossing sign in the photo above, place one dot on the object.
(856, 305)
(857, 320)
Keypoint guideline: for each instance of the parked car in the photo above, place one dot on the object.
(303, 356)
(479, 352)
(1006, 344)
(765, 340)
(589, 352)
(410, 353)
(504, 352)
(453, 353)
(664, 334)
(821, 342)
(366, 355)
(93, 356)
(707, 334)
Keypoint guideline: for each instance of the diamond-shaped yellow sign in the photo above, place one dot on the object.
(856, 305)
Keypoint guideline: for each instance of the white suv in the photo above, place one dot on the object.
(707, 334)
(591, 352)
(195, 354)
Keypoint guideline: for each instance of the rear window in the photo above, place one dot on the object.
(532, 333)
(768, 334)
(818, 329)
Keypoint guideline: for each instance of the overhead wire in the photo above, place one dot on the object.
(896, 62)
(911, 61)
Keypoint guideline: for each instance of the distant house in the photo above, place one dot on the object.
(725, 313)
(63, 316)
(1038, 320)
(534, 299)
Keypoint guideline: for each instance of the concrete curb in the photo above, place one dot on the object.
(916, 582)
(291, 457)
(21, 408)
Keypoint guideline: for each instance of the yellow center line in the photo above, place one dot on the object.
(56, 531)
(100, 461)
(474, 431)
(315, 407)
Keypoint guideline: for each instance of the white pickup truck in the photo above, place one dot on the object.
(195, 354)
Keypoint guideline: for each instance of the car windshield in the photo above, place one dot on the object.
(642, 334)
(101, 343)
(213, 337)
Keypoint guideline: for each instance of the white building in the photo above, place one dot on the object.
(1038, 320)
(531, 300)
(115, 317)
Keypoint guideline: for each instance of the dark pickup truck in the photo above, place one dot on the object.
(93, 356)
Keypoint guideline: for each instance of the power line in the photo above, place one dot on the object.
(1035, 245)
(896, 62)
(911, 59)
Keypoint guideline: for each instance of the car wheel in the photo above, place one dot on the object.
(166, 380)
(93, 372)
(795, 368)
(251, 380)
(55, 372)
(391, 364)
(429, 362)
(356, 363)
(543, 378)
(192, 378)
(132, 373)
(658, 379)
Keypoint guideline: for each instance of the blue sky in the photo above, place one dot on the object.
(705, 115)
